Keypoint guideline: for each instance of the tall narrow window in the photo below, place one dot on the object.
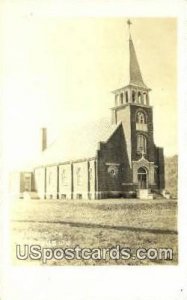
(141, 144)
(126, 97)
(27, 182)
(79, 177)
(121, 98)
(133, 96)
(139, 97)
(64, 177)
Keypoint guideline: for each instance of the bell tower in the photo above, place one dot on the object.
(132, 108)
(135, 92)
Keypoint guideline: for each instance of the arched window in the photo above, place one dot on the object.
(141, 144)
(140, 118)
(139, 97)
(133, 96)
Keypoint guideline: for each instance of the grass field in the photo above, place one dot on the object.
(95, 224)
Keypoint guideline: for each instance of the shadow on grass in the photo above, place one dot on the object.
(102, 226)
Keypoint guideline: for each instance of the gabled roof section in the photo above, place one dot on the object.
(135, 73)
(79, 143)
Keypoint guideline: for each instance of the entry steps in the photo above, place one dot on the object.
(147, 194)
(144, 194)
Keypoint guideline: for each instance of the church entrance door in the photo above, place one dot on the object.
(142, 178)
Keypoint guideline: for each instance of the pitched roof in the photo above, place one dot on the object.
(135, 73)
(80, 143)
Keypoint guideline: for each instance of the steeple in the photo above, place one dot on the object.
(136, 92)
(134, 69)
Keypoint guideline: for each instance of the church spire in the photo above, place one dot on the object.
(135, 92)
(135, 73)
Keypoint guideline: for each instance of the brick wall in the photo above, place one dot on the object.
(148, 134)
(113, 154)
(124, 115)
(161, 168)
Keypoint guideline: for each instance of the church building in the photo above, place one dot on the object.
(115, 159)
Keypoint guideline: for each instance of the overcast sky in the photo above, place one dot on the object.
(57, 72)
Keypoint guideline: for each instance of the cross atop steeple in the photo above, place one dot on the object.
(129, 23)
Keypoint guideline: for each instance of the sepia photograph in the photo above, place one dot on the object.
(91, 149)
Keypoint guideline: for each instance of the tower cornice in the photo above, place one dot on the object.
(130, 86)
(130, 104)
